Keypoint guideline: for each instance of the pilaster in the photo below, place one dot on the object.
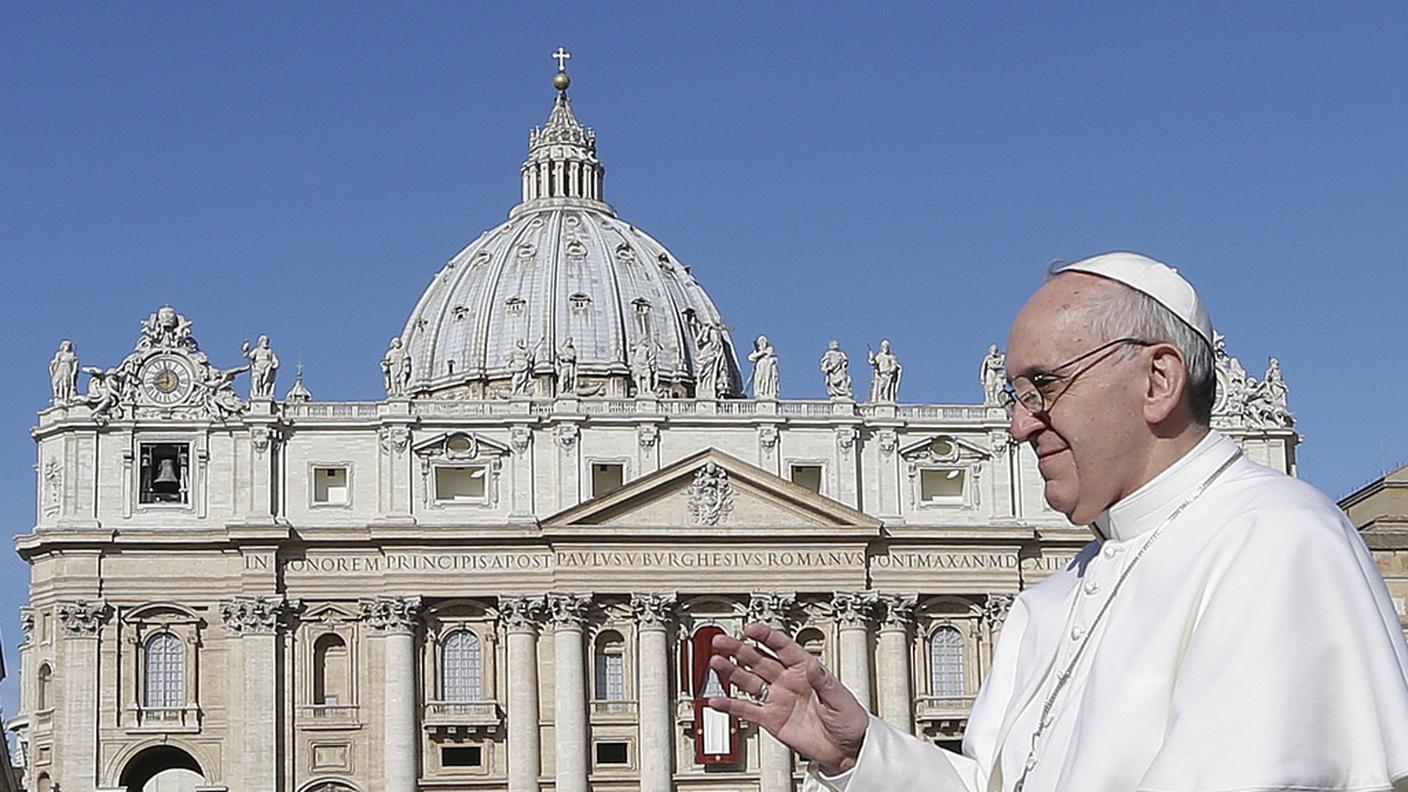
(77, 749)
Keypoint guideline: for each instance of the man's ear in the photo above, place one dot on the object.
(1167, 383)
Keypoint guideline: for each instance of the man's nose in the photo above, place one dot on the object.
(1023, 423)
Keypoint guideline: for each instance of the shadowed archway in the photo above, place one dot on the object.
(170, 767)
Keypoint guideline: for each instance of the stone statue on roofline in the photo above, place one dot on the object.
(520, 368)
(711, 366)
(263, 368)
(993, 376)
(396, 369)
(645, 368)
(885, 384)
(63, 373)
(766, 384)
(837, 368)
(567, 368)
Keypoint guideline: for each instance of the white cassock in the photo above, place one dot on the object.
(1253, 648)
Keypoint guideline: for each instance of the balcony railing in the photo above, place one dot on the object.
(165, 719)
(330, 714)
(613, 710)
(942, 708)
(462, 716)
(811, 408)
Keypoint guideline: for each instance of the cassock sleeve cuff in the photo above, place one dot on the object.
(891, 759)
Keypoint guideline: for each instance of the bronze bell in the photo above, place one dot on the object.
(167, 479)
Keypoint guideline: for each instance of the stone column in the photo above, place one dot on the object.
(657, 733)
(568, 611)
(520, 618)
(395, 485)
(77, 750)
(774, 759)
(255, 621)
(394, 619)
(853, 611)
(894, 677)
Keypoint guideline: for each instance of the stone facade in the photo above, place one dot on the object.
(489, 581)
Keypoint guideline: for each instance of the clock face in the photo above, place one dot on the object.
(166, 379)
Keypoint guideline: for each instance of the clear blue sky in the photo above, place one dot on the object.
(302, 169)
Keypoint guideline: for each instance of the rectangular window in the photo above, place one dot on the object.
(607, 477)
(461, 484)
(461, 756)
(807, 477)
(613, 753)
(941, 484)
(330, 486)
(165, 473)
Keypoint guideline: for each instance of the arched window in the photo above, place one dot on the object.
(946, 663)
(331, 671)
(43, 784)
(610, 666)
(461, 668)
(164, 686)
(813, 641)
(43, 694)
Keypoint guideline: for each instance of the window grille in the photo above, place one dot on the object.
(946, 663)
(462, 668)
(164, 686)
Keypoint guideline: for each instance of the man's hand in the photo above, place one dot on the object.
(806, 707)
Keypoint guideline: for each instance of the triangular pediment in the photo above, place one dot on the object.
(713, 493)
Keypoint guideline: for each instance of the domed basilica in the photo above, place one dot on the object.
(505, 575)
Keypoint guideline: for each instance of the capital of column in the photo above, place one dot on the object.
(653, 611)
(568, 611)
(773, 608)
(996, 608)
(391, 614)
(898, 611)
(854, 608)
(256, 615)
(84, 618)
(521, 614)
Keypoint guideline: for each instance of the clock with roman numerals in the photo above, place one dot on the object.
(167, 379)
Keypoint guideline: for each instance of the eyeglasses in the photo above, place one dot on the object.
(1030, 391)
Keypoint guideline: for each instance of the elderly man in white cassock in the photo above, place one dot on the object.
(1227, 630)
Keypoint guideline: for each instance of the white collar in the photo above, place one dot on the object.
(1146, 507)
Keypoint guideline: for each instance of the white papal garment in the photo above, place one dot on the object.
(1253, 648)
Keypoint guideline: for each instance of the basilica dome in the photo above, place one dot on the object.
(566, 277)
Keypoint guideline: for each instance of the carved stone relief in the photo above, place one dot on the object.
(710, 495)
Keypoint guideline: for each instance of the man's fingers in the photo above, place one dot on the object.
(787, 650)
(761, 664)
(829, 690)
(746, 710)
(731, 673)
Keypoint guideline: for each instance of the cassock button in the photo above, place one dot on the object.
(1091, 587)
(1110, 551)
(1077, 632)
